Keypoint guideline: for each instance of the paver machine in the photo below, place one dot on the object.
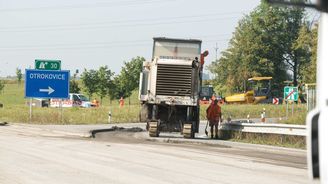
(170, 87)
(258, 90)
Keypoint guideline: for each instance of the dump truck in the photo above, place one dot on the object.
(170, 86)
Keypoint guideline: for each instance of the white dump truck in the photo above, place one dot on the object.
(170, 86)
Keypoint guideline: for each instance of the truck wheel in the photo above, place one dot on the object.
(188, 131)
(153, 129)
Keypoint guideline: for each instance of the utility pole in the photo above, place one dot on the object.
(216, 51)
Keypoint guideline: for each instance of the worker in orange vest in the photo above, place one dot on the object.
(122, 102)
(213, 114)
(213, 98)
(95, 103)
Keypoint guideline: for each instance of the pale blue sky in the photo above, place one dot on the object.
(89, 34)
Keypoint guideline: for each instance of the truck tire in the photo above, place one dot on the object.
(153, 129)
(188, 131)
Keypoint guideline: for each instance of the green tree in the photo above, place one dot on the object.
(74, 85)
(306, 44)
(19, 75)
(90, 81)
(128, 79)
(105, 82)
(262, 45)
(2, 86)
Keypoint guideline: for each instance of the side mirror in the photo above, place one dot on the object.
(321, 5)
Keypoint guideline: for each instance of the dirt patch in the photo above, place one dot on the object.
(116, 129)
(118, 134)
(3, 123)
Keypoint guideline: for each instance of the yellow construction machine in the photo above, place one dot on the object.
(258, 89)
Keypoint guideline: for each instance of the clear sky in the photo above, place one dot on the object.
(92, 33)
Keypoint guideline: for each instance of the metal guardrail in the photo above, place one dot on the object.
(284, 129)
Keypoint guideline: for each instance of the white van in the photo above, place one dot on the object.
(74, 100)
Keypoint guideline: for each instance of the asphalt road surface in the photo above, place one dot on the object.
(32, 155)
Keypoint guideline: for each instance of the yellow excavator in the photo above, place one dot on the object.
(258, 89)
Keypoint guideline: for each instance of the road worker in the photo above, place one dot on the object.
(213, 97)
(121, 102)
(95, 103)
(213, 114)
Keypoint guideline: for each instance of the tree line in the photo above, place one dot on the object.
(270, 41)
(104, 83)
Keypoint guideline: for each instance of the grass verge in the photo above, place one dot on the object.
(289, 141)
(16, 110)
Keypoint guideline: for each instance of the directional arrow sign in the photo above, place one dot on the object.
(47, 84)
(49, 90)
(275, 101)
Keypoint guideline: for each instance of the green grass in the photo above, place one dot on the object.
(254, 111)
(70, 115)
(16, 110)
(13, 94)
(268, 139)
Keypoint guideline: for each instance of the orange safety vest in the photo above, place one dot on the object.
(213, 98)
(213, 112)
(121, 102)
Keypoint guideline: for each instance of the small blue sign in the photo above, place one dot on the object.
(47, 84)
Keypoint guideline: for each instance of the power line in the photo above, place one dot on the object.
(87, 5)
(122, 21)
(111, 42)
(118, 25)
(86, 45)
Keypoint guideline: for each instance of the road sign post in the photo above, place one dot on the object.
(30, 110)
(47, 84)
(290, 94)
(41, 64)
(292, 108)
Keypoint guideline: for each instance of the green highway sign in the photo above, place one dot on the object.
(41, 64)
(290, 93)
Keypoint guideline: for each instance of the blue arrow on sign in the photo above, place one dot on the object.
(47, 84)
